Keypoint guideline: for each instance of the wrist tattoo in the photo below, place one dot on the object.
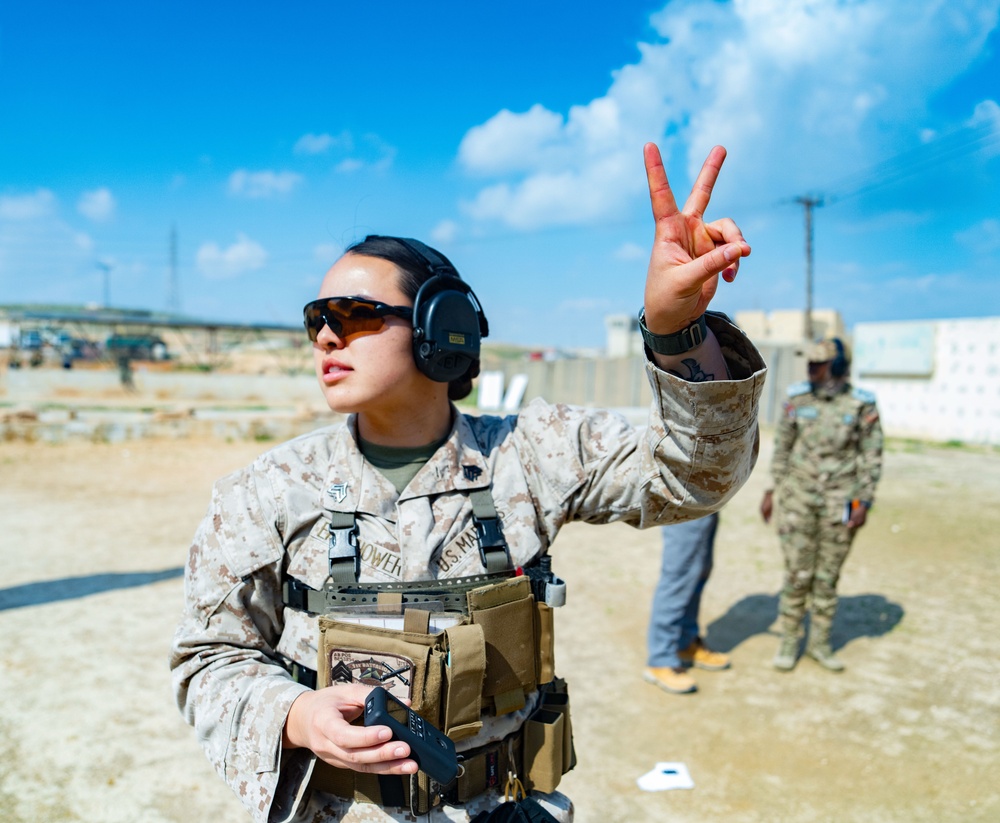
(695, 373)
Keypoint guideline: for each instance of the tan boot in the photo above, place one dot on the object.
(788, 652)
(823, 654)
(675, 681)
(818, 647)
(702, 657)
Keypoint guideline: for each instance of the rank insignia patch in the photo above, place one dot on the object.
(392, 672)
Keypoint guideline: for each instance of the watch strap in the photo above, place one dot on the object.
(677, 343)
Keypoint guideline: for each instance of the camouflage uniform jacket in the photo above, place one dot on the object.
(546, 466)
(828, 444)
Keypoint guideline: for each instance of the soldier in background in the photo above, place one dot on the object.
(674, 642)
(827, 462)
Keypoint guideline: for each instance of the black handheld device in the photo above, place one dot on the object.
(433, 751)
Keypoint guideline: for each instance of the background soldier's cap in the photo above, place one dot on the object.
(821, 351)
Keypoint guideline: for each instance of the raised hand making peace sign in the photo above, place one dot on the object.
(688, 257)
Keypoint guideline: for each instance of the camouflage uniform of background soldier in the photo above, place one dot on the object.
(827, 462)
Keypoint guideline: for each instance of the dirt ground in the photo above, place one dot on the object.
(94, 536)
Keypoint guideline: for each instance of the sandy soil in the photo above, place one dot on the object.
(93, 537)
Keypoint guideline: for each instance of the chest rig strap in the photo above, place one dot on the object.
(345, 552)
(493, 551)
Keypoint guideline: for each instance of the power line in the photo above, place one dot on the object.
(950, 146)
(808, 204)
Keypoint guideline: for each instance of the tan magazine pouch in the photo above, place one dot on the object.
(548, 739)
(465, 668)
(410, 662)
(506, 613)
(496, 655)
(545, 663)
(543, 750)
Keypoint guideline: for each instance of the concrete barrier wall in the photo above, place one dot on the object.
(957, 399)
(27, 385)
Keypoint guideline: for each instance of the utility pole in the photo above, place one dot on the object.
(106, 268)
(809, 203)
(173, 288)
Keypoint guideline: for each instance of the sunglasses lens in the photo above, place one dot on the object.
(344, 317)
(356, 317)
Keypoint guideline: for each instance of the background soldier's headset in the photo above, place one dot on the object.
(448, 320)
(841, 363)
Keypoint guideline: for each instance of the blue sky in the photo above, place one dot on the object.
(507, 135)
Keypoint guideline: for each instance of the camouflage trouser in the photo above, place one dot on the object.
(325, 808)
(815, 542)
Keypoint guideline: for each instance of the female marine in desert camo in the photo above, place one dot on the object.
(410, 501)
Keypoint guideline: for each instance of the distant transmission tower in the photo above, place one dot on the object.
(173, 287)
(809, 203)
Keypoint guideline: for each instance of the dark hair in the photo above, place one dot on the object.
(414, 272)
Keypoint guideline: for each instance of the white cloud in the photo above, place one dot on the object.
(324, 143)
(510, 142)
(97, 205)
(27, 206)
(986, 112)
(985, 122)
(568, 197)
(797, 90)
(261, 184)
(368, 152)
(243, 256)
(982, 238)
(313, 144)
(631, 251)
(445, 232)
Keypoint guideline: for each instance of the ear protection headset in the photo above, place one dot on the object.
(448, 320)
(840, 364)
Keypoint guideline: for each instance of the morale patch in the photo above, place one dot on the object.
(392, 672)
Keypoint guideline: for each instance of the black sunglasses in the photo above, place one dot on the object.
(348, 316)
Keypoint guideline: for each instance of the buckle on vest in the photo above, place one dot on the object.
(491, 540)
(296, 594)
(344, 547)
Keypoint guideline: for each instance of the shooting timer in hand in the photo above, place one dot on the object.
(433, 751)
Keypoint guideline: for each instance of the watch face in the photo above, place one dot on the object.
(392, 672)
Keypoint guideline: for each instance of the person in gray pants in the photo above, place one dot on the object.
(675, 644)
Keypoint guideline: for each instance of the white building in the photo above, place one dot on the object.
(934, 380)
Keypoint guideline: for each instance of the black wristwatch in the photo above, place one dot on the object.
(677, 343)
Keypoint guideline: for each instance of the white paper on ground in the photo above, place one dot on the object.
(666, 776)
